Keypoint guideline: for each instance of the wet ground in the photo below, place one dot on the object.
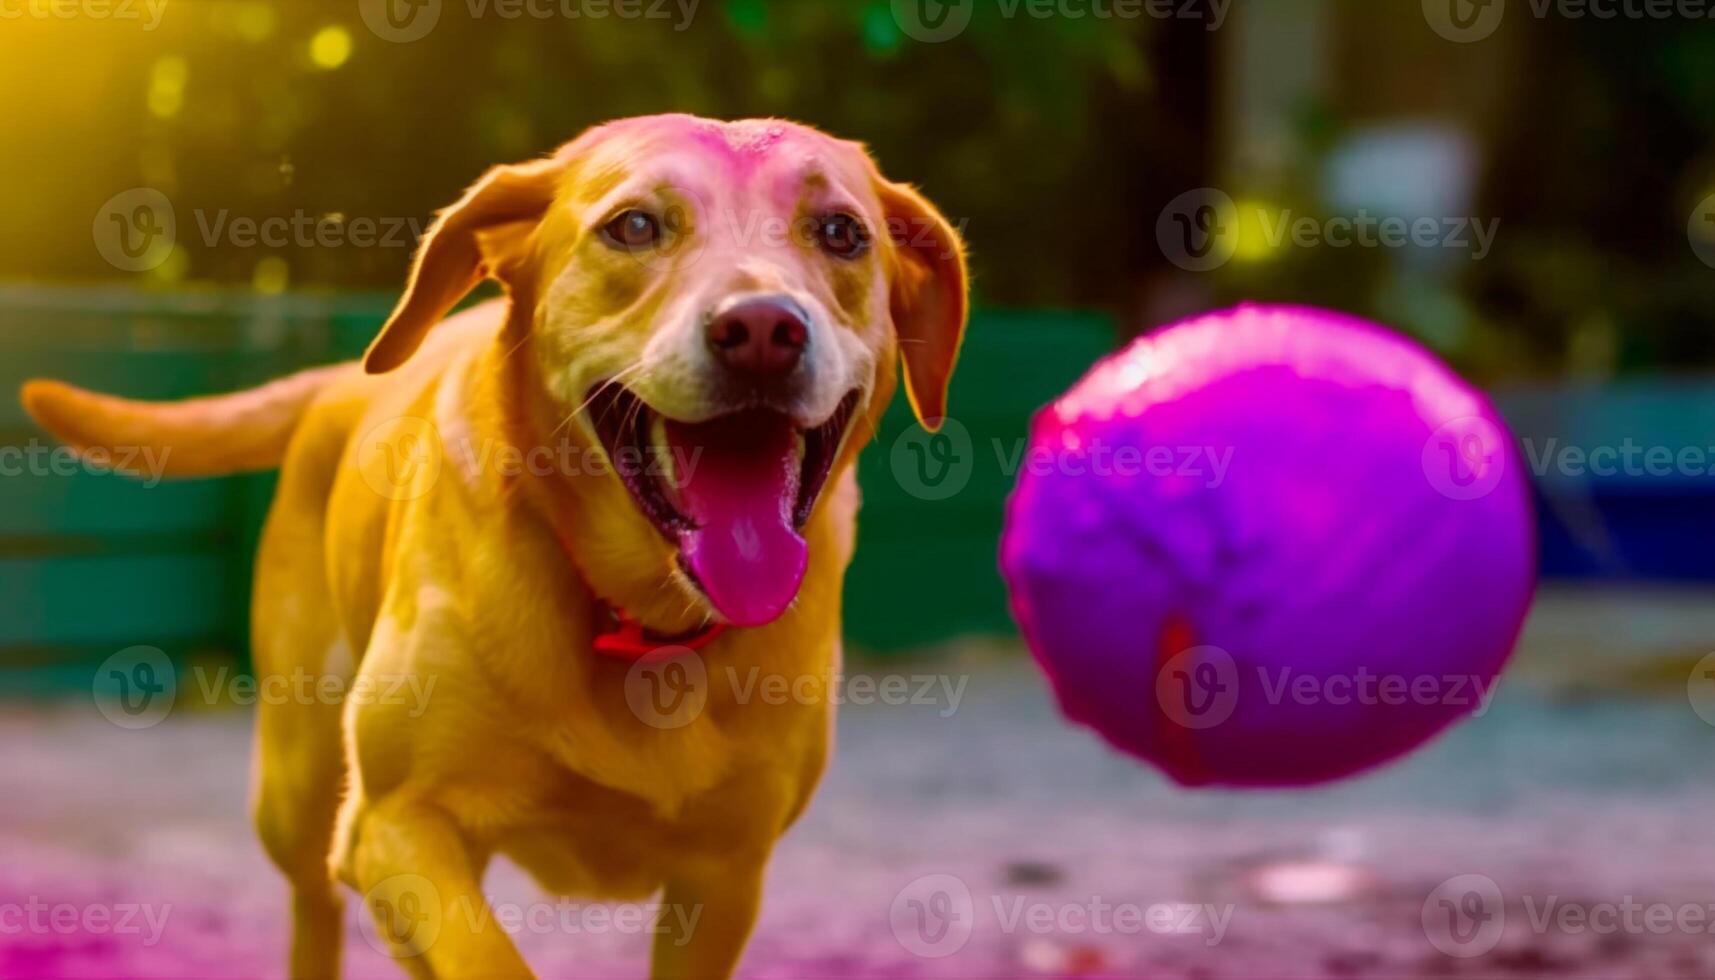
(1566, 832)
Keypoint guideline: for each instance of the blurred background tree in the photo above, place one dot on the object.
(1055, 141)
(1038, 135)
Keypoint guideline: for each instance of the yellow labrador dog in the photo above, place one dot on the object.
(700, 330)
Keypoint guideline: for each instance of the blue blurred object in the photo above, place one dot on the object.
(1624, 476)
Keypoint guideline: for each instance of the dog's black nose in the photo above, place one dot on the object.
(759, 336)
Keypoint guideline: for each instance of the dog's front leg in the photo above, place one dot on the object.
(706, 917)
(423, 884)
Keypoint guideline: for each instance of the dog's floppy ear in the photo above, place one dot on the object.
(466, 243)
(929, 296)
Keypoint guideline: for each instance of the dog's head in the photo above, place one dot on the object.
(719, 307)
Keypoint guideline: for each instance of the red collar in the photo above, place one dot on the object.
(618, 635)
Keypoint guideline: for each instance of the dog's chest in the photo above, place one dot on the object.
(593, 841)
(646, 768)
(587, 856)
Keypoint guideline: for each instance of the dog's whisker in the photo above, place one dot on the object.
(516, 347)
(615, 380)
(618, 379)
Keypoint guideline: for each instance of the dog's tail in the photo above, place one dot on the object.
(214, 436)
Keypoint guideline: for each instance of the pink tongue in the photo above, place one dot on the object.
(738, 480)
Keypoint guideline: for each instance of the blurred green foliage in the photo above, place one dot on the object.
(1014, 127)
(1597, 146)
(1054, 141)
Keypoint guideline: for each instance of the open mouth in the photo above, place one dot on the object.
(731, 493)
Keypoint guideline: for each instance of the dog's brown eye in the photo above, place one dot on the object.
(843, 235)
(632, 230)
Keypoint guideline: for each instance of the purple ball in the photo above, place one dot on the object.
(1270, 546)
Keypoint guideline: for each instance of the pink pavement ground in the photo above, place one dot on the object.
(1588, 786)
